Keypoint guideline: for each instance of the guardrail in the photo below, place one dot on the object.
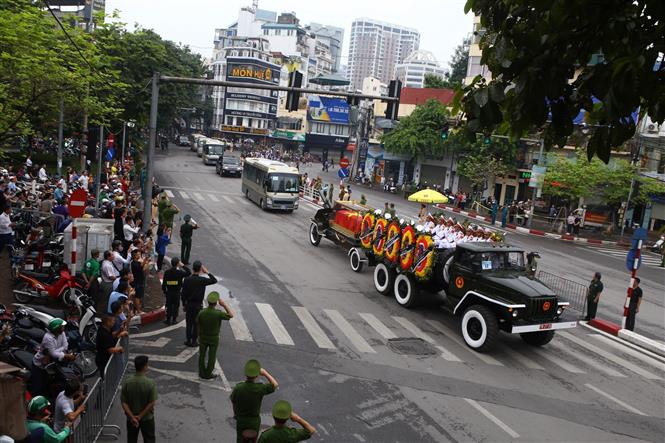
(100, 399)
(567, 290)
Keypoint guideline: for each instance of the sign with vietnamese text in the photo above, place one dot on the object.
(328, 109)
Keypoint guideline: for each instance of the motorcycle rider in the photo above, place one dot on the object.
(172, 286)
(38, 414)
(53, 347)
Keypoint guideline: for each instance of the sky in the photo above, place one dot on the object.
(441, 23)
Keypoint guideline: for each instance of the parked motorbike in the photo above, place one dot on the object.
(658, 246)
(66, 288)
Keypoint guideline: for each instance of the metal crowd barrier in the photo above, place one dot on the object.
(99, 400)
(567, 290)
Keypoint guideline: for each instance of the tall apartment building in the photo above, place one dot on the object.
(474, 66)
(376, 47)
(331, 36)
(417, 64)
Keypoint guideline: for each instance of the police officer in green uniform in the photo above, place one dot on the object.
(91, 273)
(168, 213)
(172, 286)
(186, 230)
(593, 296)
(38, 430)
(247, 397)
(161, 205)
(280, 433)
(209, 321)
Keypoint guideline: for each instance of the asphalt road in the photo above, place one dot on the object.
(361, 368)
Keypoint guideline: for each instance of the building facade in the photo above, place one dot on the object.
(419, 63)
(376, 47)
(331, 36)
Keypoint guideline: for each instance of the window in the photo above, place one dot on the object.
(278, 32)
(265, 32)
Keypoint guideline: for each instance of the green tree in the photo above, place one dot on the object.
(435, 81)
(455, 77)
(549, 60)
(419, 134)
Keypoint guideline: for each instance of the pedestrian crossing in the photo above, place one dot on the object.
(648, 259)
(368, 334)
(232, 199)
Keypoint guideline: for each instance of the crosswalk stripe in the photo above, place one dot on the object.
(377, 325)
(213, 198)
(238, 325)
(415, 330)
(227, 199)
(169, 193)
(447, 355)
(315, 331)
(621, 254)
(586, 360)
(244, 201)
(274, 324)
(449, 333)
(660, 366)
(614, 399)
(356, 340)
(525, 360)
(183, 194)
(558, 361)
(198, 196)
(609, 356)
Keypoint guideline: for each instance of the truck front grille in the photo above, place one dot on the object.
(542, 308)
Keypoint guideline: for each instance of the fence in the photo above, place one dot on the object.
(567, 290)
(100, 399)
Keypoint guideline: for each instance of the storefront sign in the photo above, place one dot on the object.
(251, 70)
(244, 130)
(537, 176)
(328, 109)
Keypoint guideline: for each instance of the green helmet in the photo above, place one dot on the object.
(282, 410)
(38, 404)
(56, 324)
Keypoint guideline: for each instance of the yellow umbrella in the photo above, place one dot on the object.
(428, 196)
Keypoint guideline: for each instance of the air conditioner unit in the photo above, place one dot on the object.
(652, 128)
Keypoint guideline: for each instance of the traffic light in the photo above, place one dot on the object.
(444, 131)
(292, 98)
(394, 91)
(487, 139)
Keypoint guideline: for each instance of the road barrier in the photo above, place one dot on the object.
(567, 290)
(100, 399)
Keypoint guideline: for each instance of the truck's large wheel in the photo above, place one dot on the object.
(405, 290)
(355, 261)
(314, 236)
(384, 278)
(479, 328)
(539, 338)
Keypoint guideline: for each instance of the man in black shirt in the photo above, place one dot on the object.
(193, 292)
(634, 305)
(172, 286)
(106, 344)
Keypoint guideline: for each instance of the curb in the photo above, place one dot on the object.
(625, 342)
(528, 231)
(148, 317)
(643, 342)
(604, 325)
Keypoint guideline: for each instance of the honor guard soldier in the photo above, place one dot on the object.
(247, 397)
(186, 230)
(172, 286)
(280, 433)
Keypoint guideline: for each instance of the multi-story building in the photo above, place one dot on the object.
(376, 47)
(331, 36)
(475, 67)
(419, 63)
(82, 11)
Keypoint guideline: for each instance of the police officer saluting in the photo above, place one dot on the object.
(280, 433)
(186, 230)
(247, 397)
(172, 287)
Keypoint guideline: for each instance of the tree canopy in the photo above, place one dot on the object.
(549, 60)
(419, 134)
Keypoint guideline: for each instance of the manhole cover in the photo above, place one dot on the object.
(411, 346)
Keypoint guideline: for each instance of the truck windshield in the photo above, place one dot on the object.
(496, 261)
(282, 183)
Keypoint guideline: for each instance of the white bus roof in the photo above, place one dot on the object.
(271, 165)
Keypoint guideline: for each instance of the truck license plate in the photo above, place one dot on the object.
(283, 206)
(546, 326)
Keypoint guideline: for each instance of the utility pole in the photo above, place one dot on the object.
(535, 189)
(84, 136)
(361, 133)
(147, 187)
(635, 162)
(100, 159)
(61, 123)
(122, 157)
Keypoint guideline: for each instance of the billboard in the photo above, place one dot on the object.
(251, 70)
(328, 109)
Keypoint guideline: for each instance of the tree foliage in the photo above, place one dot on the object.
(540, 55)
(434, 81)
(479, 162)
(419, 134)
(455, 77)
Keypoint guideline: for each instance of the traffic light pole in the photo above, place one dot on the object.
(147, 185)
(361, 133)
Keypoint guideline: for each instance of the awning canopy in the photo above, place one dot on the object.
(333, 79)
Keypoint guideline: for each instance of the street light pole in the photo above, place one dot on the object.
(61, 123)
(122, 158)
(535, 189)
(147, 186)
(99, 168)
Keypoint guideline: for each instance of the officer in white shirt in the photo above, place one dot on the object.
(6, 231)
(42, 174)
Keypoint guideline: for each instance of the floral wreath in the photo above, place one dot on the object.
(424, 257)
(367, 230)
(407, 248)
(393, 241)
(379, 237)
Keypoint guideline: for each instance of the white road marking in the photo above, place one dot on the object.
(614, 399)
(621, 254)
(213, 198)
(169, 193)
(198, 196)
(638, 355)
(315, 331)
(190, 376)
(558, 361)
(181, 324)
(356, 340)
(274, 324)
(609, 356)
(244, 201)
(228, 199)
(525, 360)
(316, 208)
(159, 343)
(454, 336)
(220, 372)
(447, 355)
(587, 360)
(184, 355)
(183, 194)
(238, 325)
(415, 330)
(493, 418)
(377, 325)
